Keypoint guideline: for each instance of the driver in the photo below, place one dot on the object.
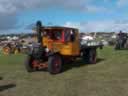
(58, 35)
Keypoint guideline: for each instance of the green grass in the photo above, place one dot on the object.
(109, 77)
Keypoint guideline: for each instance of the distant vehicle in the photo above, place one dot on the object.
(121, 41)
(11, 48)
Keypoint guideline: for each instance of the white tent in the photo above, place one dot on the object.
(87, 38)
(15, 38)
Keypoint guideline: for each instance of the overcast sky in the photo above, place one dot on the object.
(87, 15)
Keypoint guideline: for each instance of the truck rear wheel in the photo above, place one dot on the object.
(89, 56)
(55, 64)
(92, 56)
(28, 64)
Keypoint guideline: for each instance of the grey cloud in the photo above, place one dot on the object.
(30, 26)
(100, 26)
(121, 3)
(17, 5)
(7, 22)
(10, 8)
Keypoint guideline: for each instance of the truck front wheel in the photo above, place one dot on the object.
(55, 64)
(28, 63)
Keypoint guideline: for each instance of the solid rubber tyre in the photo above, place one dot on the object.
(28, 63)
(92, 56)
(55, 64)
(89, 56)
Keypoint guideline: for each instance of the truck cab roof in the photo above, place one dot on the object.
(58, 27)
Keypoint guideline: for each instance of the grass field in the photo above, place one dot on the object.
(109, 77)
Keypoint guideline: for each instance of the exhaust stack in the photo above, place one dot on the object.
(39, 30)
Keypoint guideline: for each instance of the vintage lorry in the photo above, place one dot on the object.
(57, 45)
(121, 41)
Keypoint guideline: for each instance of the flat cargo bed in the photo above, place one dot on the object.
(91, 44)
(91, 47)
